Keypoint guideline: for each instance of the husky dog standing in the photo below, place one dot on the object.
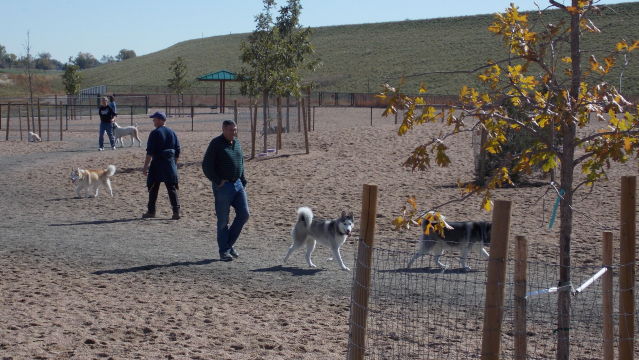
(120, 132)
(332, 233)
(89, 181)
(463, 236)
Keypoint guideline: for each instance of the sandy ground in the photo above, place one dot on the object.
(87, 278)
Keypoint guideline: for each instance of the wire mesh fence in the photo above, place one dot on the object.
(425, 312)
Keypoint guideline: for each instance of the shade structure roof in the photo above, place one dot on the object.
(221, 75)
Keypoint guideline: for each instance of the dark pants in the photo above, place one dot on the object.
(227, 196)
(173, 196)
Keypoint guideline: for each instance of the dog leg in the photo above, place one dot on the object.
(310, 247)
(438, 256)
(108, 186)
(338, 258)
(464, 257)
(296, 245)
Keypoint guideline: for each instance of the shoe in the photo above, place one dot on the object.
(112, 147)
(100, 149)
(234, 253)
(226, 256)
(176, 216)
(147, 215)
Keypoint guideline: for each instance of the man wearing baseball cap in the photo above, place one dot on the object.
(162, 153)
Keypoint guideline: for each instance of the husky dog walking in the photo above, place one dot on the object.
(332, 233)
(463, 236)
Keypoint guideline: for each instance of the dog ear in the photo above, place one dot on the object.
(343, 214)
(350, 215)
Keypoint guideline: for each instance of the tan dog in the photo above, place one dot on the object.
(89, 181)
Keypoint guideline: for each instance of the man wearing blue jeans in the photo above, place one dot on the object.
(223, 164)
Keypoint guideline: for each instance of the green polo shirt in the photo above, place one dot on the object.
(224, 160)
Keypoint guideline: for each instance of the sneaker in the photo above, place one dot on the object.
(147, 215)
(100, 149)
(226, 256)
(112, 147)
(176, 216)
(234, 253)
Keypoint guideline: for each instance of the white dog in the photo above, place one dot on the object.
(33, 137)
(332, 233)
(89, 181)
(120, 132)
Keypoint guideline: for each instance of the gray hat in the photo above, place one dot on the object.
(159, 115)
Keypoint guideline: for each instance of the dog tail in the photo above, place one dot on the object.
(110, 170)
(305, 215)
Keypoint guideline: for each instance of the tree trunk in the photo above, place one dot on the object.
(265, 113)
(568, 133)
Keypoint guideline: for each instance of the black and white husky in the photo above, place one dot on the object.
(332, 233)
(463, 236)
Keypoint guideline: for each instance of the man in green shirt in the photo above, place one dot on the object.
(223, 164)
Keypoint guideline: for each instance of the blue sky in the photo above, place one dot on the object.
(65, 27)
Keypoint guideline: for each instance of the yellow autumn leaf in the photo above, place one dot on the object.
(487, 205)
(412, 201)
(627, 144)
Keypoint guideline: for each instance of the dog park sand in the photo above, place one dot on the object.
(87, 278)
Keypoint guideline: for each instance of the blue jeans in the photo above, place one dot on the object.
(108, 127)
(230, 194)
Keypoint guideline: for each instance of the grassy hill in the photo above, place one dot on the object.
(358, 58)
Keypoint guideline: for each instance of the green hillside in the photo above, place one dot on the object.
(358, 58)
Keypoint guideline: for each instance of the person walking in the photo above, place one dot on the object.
(106, 123)
(160, 165)
(223, 165)
(113, 105)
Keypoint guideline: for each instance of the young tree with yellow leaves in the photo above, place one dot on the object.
(545, 79)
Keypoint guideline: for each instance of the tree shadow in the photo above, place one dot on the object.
(292, 270)
(100, 222)
(154, 266)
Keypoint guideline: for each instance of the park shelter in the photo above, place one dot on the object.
(222, 76)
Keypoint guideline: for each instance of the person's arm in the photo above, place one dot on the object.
(147, 161)
(208, 165)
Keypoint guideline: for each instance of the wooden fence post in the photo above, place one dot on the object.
(305, 125)
(0, 116)
(235, 111)
(607, 301)
(192, 113)
(19, 122)
(361, 284)
(48, 122)
(521, 266)
(288, 114)
(28, 118)
(627, 268)
(278, 140)
(493, 311)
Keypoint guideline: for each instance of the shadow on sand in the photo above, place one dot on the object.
(154, 266)
(292, 270)
(100, 222)
(429, 270)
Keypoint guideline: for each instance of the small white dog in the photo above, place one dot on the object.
(33, 137)
(89, 181)
(332, 233)
(120, 132)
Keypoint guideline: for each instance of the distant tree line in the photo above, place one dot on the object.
(44, 61)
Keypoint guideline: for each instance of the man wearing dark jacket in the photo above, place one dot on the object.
(223, 164)
(162, 152)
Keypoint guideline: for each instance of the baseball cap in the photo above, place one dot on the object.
(159, 115)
